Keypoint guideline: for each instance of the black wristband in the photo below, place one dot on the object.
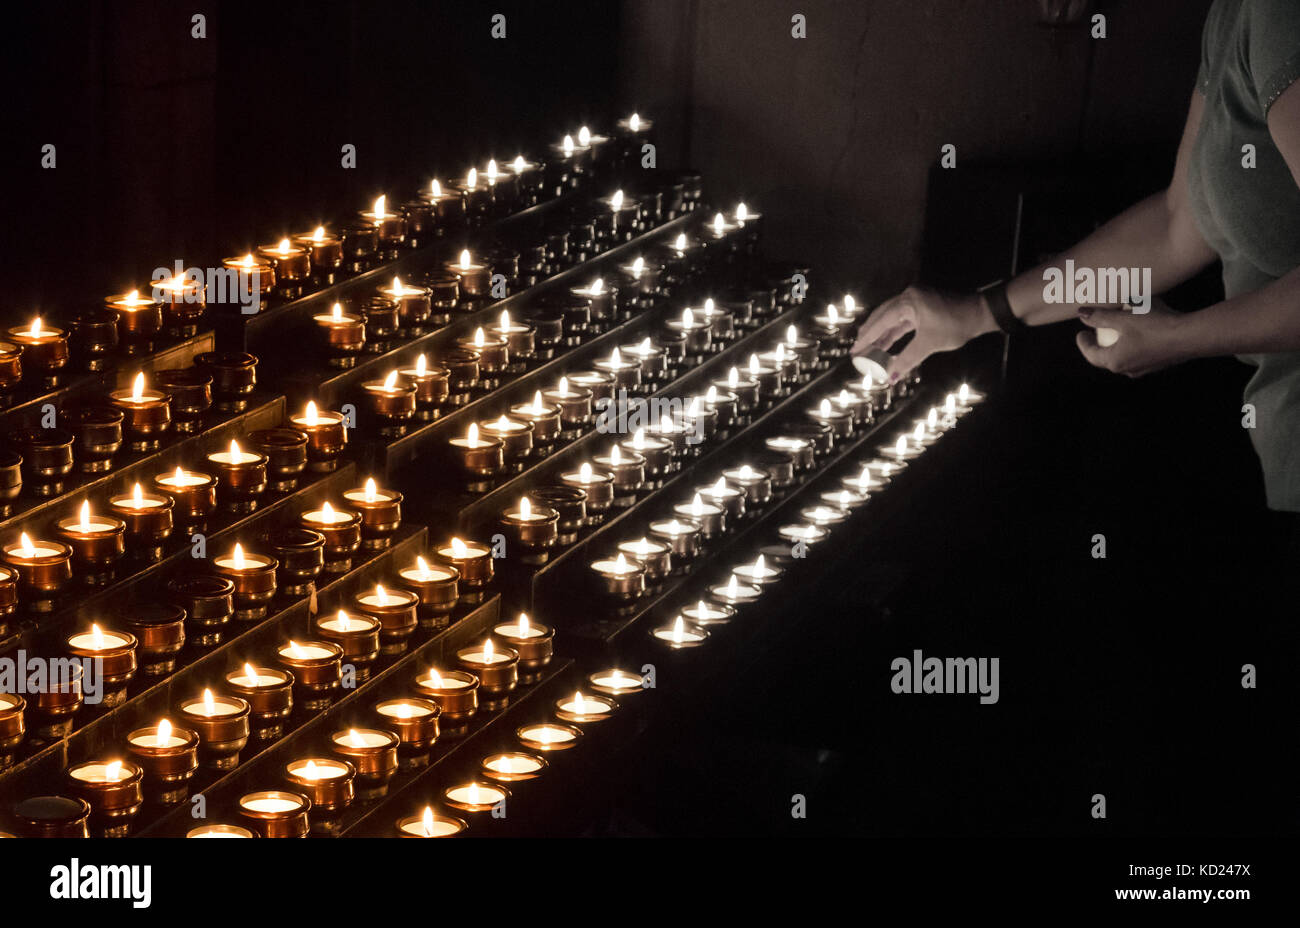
(1000, 308)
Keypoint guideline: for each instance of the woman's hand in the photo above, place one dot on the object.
(941, 322)
(1146, 343)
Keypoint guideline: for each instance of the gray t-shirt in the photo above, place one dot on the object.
(1250, 54)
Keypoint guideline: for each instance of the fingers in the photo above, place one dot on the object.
(889, 322)
(1104, 318)
(1094, 353)
(917, 350)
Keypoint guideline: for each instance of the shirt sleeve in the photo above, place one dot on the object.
(1273, 48)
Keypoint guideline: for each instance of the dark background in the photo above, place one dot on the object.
(1118, 676)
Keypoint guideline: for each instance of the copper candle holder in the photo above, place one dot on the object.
(391, 402)
(208, 602)
(493, 357)
(94, 337)
(9, 596)
(113, 791)
(301, 553)
(622, 580)
(730, 499)
(190, 389)
(43, 568)
(52, 817)
(325, 254)
(97, 542)
(360, 245)
(115, 654)
(148, 520)
(328, 782)
(292, 265)
(628, 469)
(532, 641)
(655, 556)
(343, 335)
(473, 559)
(478, 799)
(683, 537)
(317, 671)
(98, 436)
(616, 682)
(140, 318)
(381, 513)
(432, 386)
(463, 374)
(414, 306)
(390, 228)
(548, 737)
(342, 531)
(256, 274)
(512, 767)
(535, 529)
(444, 294)
(396, 611)
(46, 458)
(12, 727)
(756, 484)
(183, 303)
(194, 495)
(11, 371)
(54, 707)
(234, 377)
(275, 813)
(11, 480)
(570, 503)
(584, 709)
(373, 752)
(160, 629)
(219, 830)
(358, 637)
(169, 756)
(415, 722)
(496, 667)
(269, 694)
(475, 279)
(286, 455)
(657, 452)
(327, 436)
(600, 383)
(45, 352)
(479, 457)
(241, 477)
(544, 418)
(455, 692)
(743, 387)
(146, 414)
(222, 723)
(430, 824)
(598, 485)
(437, 587)
(254, 577)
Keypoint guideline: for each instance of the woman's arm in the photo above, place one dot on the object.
(1158, 232)
(1260, 322)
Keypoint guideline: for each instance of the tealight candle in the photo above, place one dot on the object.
(183, 303)
(731, 499)
(515, 435)
(597, 484)
(415, 722)
(147, 518)
(742, 386)
(341, 529)
(474, 278)
(479, 457)
(623, 580)
(548, 736)
(616, 682)
(194, 495)
(344, 335)
(802, 533)
(512, 767)
(655, 556)
(705, 613)
(545, 418)
(436, 585)
(628, 469)
(432, 386)
(115, 654)
(138, 317)
(474, 797)
(327, 435)
(455, 692)
(269, 694)
(574, 403)
(584, 709)
(357, 635)
(326, 253)
(710, 517)
(823, 515)
(316, 668)
(327, 782)
(222, 723)
(698, 333)
(414, 304)
(97, 542)
(113, 791)
(374, 754)
(43, 569)
(292, 263)
(534, 528)
(218, 830)
(679, 635)
(390, 227)
(448, 208)
(381, 513)
(241, 477)
(757, 573)
(254, 577)
(274, 813)
(902, 450)
(12, 727)
(734, 593)
(168, 756)
(683, 536)
(656, 451)
(532, 641)
(429, 824)
(256, 275)
(496, 667)
(146, 414)
(45, 351)
(396, 611)
(799, 450)
(844, 499)
(473, 559)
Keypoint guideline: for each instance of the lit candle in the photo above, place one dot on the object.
(711, 517)
(455, 692)
(316, 667)
(548, 736)
(473, 559)
(474, 278)
(372, 752)
(496, 667)
(276, 813)
(222, 723)
(683, 536)
(479, 456)
(705, 613)
(533, 528)
(256, 275)
(328, 783)
(146, 414)
(512, 767)
(254, 578)
(584, 709)
(241, 477)
(474, 797)
(436, 585)
(390, 227)
(139, 317)
(344, 334)
(357, 635)
(680, 635)
(597, 484)
(623, 580)
(269, 693)
(616, 682)
(429, 824)
(415, 722)
(396, 611)
(168, 756)
(194, 494)
(44, 351)
(147, 517)
(96, 541)
(326, 253)
(326, 436)
(115, 653)
(532, 641)
(113, 791)
(292, 262)
(758, 573)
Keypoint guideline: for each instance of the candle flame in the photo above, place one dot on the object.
(578, 705)
(250, 672)
(634, 122)
(679, 243)
(584, 473)
(435, 188)
(597, 286)
(85, 516)
(234, 451)
(525, 508)
(616, 201)
(615, 456)
(354, 737)
(963, 392)
(421, 365)
(319, 234)
(137, 387)
(688, 318)
(336, 311)
(504, 325)
(295, 649)
(932, 419)
(849, 303)
(113, 771)
(390, 382)
(719, 488)
(718, 223)
(832, 313)
(458, 548)
(164, 732)
(567, 145)
(824, 408)
(488, 651)
(742, 212)
(422, 566)
(96, 637)
(381, 203)
(471, 179)
(238, 555)
(638, 265)
(900, 446)
(615, 358)
(345, 621)
(523, 624)
(464, 259)
(137, 496)
(679, 630)
(310, 772)
(209, 704)
(284, 246)
(471, 795)
(370, 490)
(472, 437)
(427, 821)
(519, 164)
(435, 678)
(36, 326)
(563, 386)
(792, 336)
(492, 168)
(309, 417)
